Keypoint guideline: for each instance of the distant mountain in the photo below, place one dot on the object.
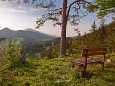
(29, 29)
(27, 35)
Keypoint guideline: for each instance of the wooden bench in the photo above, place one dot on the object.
(86, 53)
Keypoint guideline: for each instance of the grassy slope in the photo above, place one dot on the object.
(55, 72)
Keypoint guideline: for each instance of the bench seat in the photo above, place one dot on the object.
(89, 61)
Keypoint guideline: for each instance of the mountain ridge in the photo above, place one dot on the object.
(27, 34)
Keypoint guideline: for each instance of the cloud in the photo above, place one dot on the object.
(13, 10)
(18, 8)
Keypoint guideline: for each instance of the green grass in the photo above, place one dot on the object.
(54, 72)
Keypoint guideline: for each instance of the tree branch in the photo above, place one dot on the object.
(69, 7)
(78, 3)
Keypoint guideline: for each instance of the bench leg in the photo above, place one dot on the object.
(83, 72)
(102, 66)
(73, 65)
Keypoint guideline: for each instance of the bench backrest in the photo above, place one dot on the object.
(93, 51)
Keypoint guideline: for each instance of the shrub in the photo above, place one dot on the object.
(13, 50)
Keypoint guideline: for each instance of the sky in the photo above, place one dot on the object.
(22, 16)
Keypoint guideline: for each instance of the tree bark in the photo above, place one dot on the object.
(63, 32)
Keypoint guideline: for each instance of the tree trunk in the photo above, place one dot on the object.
(22, 59)
(63, 32)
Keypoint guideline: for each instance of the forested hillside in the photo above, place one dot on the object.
(34, 48)
(103, 36)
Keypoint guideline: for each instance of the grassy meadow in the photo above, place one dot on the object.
(56, 72)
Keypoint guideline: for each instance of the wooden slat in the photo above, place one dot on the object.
(78, 62)
(89, 61)
(94, 50)
(93, 60)
(93, 53)
(96, 53)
